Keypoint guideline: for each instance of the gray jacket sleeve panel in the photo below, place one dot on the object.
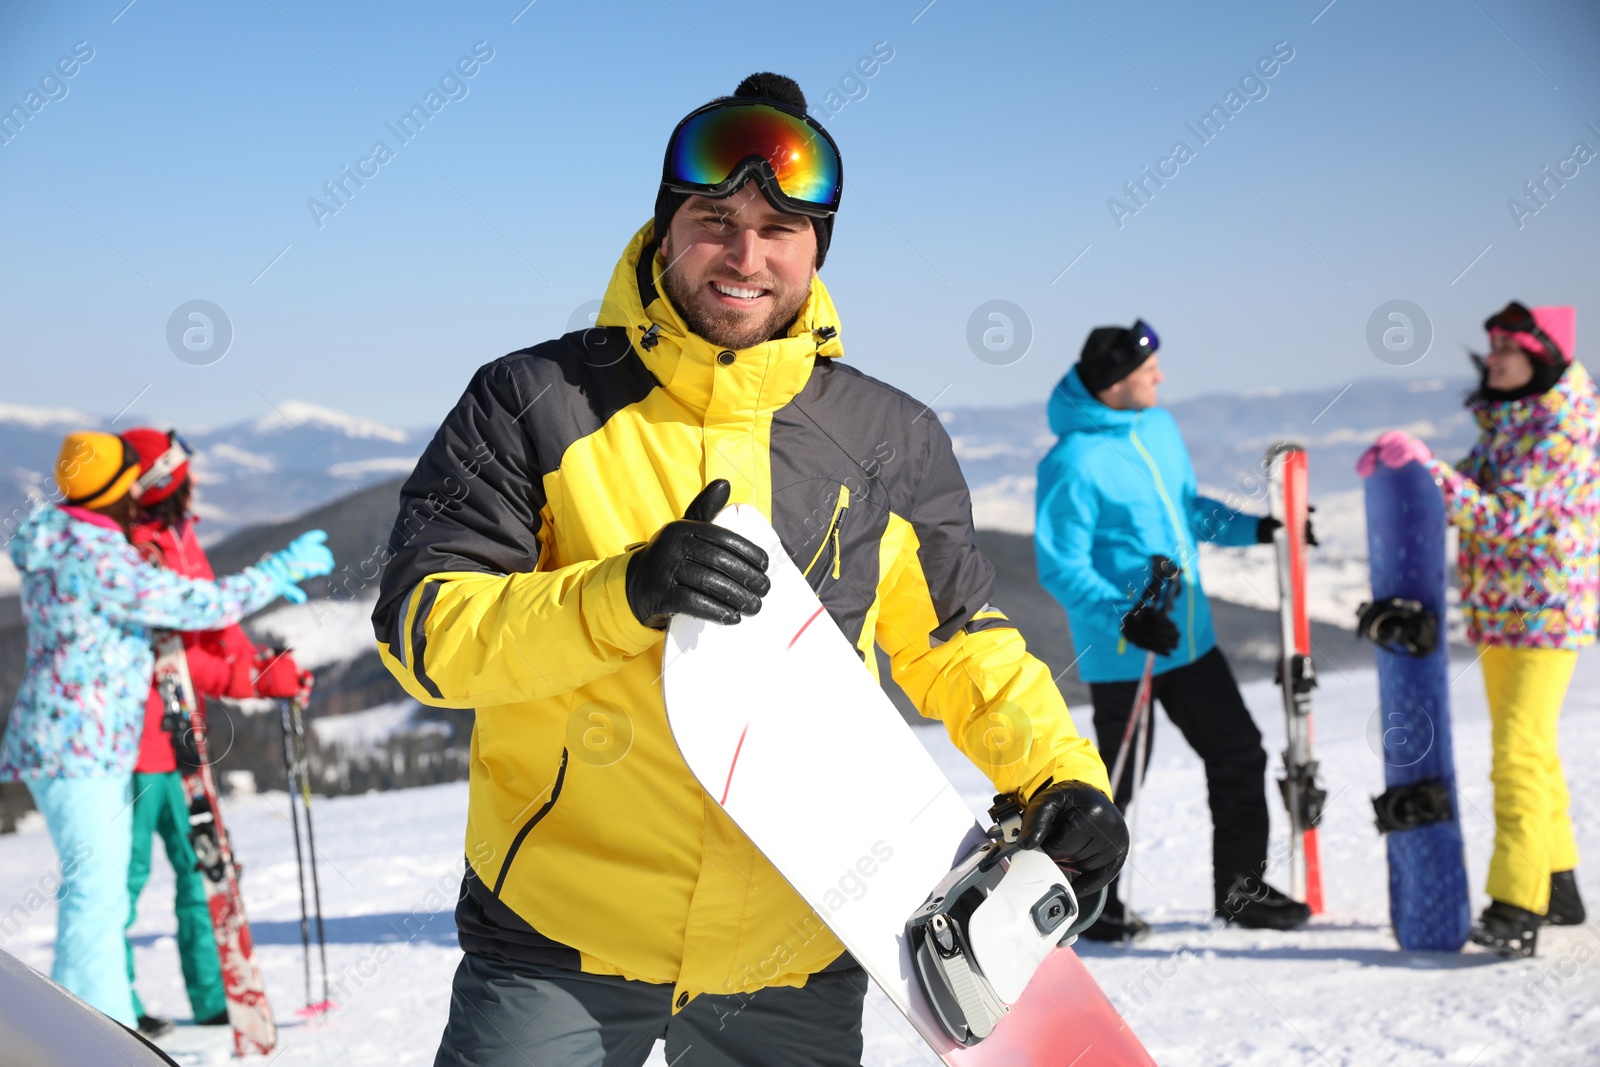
(959, 578)
(473, 502)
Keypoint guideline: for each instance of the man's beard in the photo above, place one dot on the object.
(724, 326)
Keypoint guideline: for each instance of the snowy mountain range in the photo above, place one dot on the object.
(287, 461)
(301, 455)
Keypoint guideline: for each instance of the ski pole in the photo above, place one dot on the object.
(1142, 714)
(290, 773)
(297, 706)
(1141, 697)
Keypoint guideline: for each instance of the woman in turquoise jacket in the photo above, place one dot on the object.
(1117, 489)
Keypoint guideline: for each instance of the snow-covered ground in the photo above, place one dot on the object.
(1336, 993)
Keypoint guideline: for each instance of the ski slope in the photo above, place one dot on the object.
(1337, 993)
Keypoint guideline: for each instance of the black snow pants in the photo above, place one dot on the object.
(1202, 700)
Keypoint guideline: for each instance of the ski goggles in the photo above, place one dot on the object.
(1518, 321)
(719, 147)
(1141, 340)
(166, 467)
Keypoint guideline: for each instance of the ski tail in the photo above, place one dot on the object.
(1288, 478)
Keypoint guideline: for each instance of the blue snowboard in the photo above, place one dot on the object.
(1428, 901)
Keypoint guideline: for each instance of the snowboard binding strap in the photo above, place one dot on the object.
(1400, 626)
(972, 957)
(1408, 807)
(1006, 811)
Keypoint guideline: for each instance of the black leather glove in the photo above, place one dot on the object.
(1266, 526)
(1077, 826)
(1150, 630)
(693, 567)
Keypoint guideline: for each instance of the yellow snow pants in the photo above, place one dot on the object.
(1532, 829)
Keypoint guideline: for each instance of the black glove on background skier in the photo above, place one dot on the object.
(1077, 826)
(1266, 526)
(692, 567)
(1150, 629)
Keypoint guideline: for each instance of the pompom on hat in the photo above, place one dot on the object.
(95, 469)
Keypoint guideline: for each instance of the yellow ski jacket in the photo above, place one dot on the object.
(589, 844)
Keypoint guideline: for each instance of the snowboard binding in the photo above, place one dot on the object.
(1407, 807)
(1400, 626)
(986, 928)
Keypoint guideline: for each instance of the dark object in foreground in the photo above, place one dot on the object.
(43, 1025)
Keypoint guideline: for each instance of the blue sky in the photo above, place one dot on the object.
(1376, 164)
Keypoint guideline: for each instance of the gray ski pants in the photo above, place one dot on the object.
(509, 1014)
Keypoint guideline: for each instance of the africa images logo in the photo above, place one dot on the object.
(452, 86)
(1252, 87)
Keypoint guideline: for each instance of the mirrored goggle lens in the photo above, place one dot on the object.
(709, 147)
(1144, 338)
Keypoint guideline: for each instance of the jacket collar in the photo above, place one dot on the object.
(1073, 409)
(1572, 390)
(93, 517)
(761, 379)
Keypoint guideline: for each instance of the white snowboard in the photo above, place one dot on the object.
(784, 727)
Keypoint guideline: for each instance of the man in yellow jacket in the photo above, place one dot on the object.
(560, 517)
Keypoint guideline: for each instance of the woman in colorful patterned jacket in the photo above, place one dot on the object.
(1526, 501)
(91, 603)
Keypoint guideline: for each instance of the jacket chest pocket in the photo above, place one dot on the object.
(826, 564)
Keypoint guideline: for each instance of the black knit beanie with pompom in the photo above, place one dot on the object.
(763, 86)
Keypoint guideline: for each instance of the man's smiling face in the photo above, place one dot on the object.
(738, 269)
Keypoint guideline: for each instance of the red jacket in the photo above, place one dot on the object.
(219, 660)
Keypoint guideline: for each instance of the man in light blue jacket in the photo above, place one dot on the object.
(1117, 489)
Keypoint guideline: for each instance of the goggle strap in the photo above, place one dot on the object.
(162, 469)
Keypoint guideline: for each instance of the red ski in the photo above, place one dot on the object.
(254, 1030)
(1287, 478)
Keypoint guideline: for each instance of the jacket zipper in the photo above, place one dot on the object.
(1177, 530)
(544, 809)
(831, 536)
